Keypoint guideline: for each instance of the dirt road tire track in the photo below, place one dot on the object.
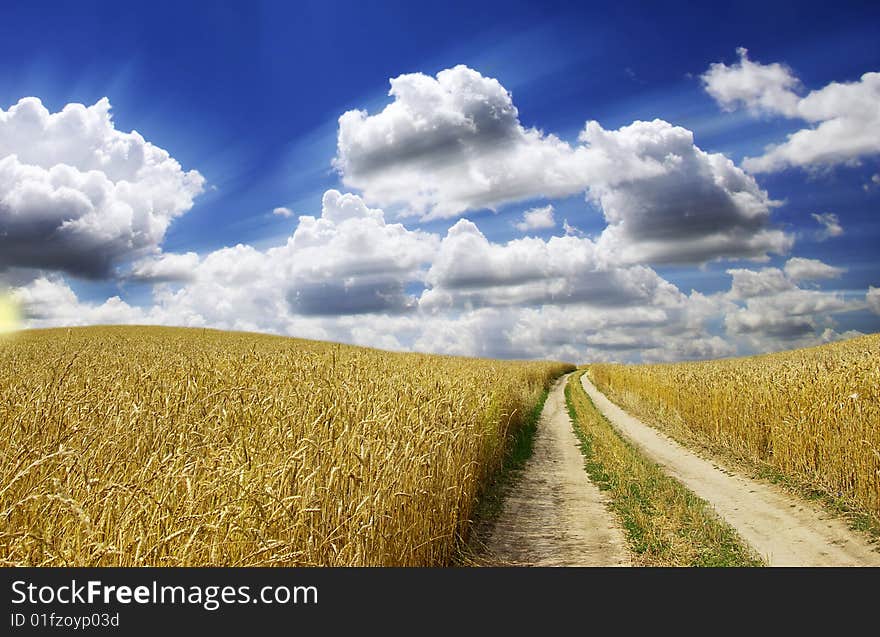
(555, 516)
(784, 530)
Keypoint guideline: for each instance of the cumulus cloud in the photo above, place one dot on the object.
(830, 225)
(678, 203)
(165, 267)
(50, 302)
(537, 219)
(79, 196)
(762, 88)
(451, 143)
(747, 284)
(847, 128)
(844, 117)
(872, 298)
(561, 297)
(788, 315)
(673, 331)
(444, 145)
(572, 230)
(575, 333)
(332, 271)
(348, 261)
(800, 269)
(347, 275)
(519, 314)
(469, 271)
(281, 211)
(771, 311)
(454, 142)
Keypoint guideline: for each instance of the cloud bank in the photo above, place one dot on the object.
(349, 275)
(445, 145)
(79, 196)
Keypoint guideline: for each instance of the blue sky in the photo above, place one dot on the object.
(249, 94)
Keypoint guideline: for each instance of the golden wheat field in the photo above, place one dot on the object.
(124, 446)
(812, 414)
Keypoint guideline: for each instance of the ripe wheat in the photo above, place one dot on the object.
(812, 415)
(130, 446)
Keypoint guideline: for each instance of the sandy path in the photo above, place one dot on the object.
(784, 530)
(555, 516)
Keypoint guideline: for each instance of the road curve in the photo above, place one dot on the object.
(784, 530)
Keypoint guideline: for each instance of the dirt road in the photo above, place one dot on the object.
(555, 516)
(784, 530)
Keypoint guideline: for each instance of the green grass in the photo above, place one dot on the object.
(491, 500)
(665, 524)
(519, 451)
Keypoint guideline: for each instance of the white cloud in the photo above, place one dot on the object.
(165, 267)
(77, 195)
(537, 219)
(575, 333)
(281, 211)
(762, 88)
(332, 271)
(830, 335)
(454, 143)
(469, 271)
(344, 276)
(800, 269)
(872, 298)
(351, 275)
(560, 298)
(770, 311)
(572, 230)
(351, 261)
(678, 203)
(844, 117)
(348, 261)
(847, 119)
(49, 302)
(787, 316)
(640, 331)
(451, 143)
(747, 284)
(830, 225)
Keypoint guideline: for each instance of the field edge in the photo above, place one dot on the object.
(856, 518)
(664, 522)
(471, 550)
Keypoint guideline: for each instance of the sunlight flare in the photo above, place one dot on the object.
(10, 314)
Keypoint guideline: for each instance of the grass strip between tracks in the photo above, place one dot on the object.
(665, 523)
